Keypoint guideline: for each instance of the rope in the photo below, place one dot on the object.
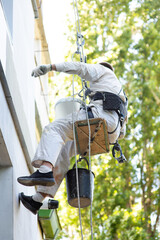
(89, 155)
(78, 30)
(82, 58)
(75, 150)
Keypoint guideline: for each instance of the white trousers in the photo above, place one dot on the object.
(57, 147)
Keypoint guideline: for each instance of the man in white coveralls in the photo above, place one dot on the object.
(56, 147)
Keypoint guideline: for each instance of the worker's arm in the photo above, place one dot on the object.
(90, 72)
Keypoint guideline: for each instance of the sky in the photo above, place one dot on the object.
(55, 23)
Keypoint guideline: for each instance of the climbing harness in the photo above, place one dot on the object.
(113, 102)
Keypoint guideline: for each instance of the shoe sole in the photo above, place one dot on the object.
(37, 181)
(27, 205)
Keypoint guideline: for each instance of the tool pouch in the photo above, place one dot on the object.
(111, 102)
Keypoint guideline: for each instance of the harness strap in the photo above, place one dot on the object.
(90, 114)
(101, 96)
(113, 102)
(104, 96)
(116, 127)
(89, 111)
(97, 96)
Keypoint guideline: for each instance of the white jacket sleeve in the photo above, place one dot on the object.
(89, 72)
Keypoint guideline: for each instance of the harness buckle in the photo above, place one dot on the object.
(104, 96)
(122, 117)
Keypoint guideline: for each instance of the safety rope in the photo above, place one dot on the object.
(78, 32)
(75, 150)
(80, 51)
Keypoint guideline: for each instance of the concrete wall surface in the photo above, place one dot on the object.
(17, 119)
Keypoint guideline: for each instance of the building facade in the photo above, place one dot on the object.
(24, 111)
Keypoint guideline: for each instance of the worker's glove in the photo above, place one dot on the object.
(41, 70)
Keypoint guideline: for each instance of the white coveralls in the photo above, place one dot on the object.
(56, 145)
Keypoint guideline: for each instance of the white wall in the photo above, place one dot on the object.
(23, 47)
(41, 88)
(17, 59)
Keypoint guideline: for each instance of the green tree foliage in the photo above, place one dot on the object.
(126, 201)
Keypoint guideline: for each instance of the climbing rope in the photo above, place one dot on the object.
(80, 40)
(75, 150)
(80, 50)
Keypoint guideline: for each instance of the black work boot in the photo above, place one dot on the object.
(37, 178)
(29, 203)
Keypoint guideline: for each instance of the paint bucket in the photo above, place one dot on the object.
(65, 106)
(86, 186)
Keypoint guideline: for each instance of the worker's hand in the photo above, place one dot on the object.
(41, 70)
